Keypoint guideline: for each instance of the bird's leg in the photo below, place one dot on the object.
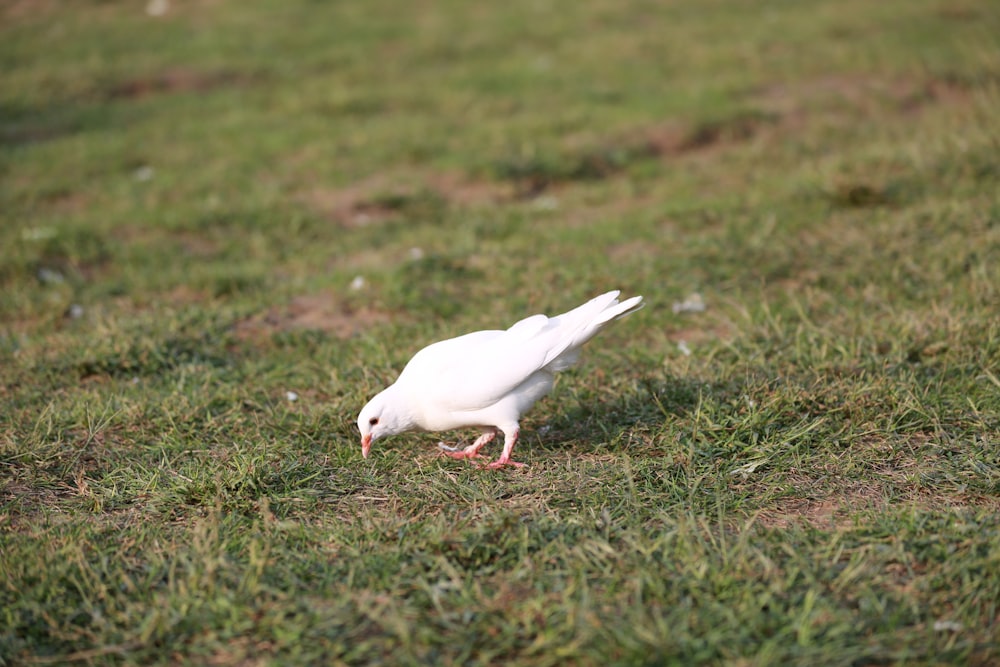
(470, 452)
(509, 438)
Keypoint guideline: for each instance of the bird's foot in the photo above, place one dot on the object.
(456, 453)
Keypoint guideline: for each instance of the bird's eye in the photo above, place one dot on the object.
(373, 421)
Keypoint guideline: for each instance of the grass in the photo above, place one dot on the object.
(204, 211)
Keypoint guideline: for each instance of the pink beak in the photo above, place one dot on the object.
(366, 444)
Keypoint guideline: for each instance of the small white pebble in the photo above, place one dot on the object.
(693, 303)
(291, 396)
(947, 626)
(50, 277)
(546, 203)
(358, 283)
(37, 233)
(683, 347)
(157, 7)
(745, 471)
(143, 173)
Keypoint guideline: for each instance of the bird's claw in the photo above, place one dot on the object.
(459, 453)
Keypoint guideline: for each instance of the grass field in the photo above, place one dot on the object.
(205, 210)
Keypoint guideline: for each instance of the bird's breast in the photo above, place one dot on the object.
(437, 415)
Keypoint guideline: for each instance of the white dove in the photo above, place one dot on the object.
(486, 379)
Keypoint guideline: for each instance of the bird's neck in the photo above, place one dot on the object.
(404, 409)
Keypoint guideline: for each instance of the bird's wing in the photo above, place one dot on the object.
(476, 370)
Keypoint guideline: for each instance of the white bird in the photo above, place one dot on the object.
(486, 379)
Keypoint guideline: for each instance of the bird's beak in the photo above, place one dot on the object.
(366, 444)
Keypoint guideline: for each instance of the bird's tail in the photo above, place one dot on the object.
(584, 322)
(615, 310)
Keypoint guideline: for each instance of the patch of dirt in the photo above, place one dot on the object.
(184, 295)
(317, 312)
(946, 90)
(385, 196)
(786, 107)
(848, 95)
(861, 195)
(769, 112)
(21, 502)
(34, 9)
(956, 12)
(177, 80)
(830, 512)
(67, 202)
(735, 129)
(196, 244)
(835, 510)
(464, 192)
(632, 251)
(672, 138)
(782, 107)
(19, 9)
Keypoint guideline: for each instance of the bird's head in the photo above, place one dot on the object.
(379, 418)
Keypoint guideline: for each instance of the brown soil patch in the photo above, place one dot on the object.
(833, 511)
(632, 251)
(848, 95)
(385, 196)
(958, 13)
(196, 244)
(35, 9)
(836, 510)
(735, 129)
(177, 80)
(68, 203)
(184, 295)
(577, 210)
(20, 9)
(464, 192)
(317, 312)
(781, 107)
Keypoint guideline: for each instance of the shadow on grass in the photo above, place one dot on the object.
(23, 125)
(105, 105)
(652, 405)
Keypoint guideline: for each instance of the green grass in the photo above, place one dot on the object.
(186, 200)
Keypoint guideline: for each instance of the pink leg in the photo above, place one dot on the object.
(470, 452)
(509, 438)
